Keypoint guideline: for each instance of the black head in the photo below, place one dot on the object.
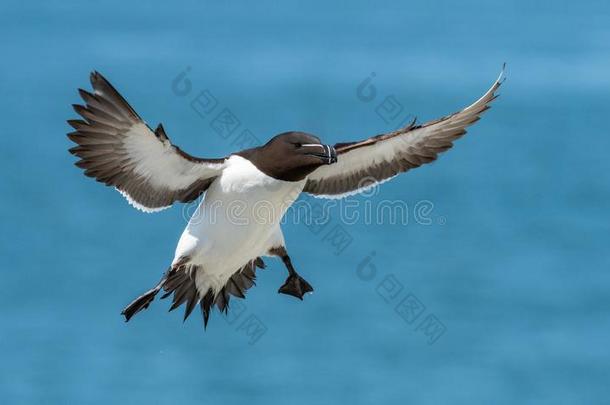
(291, 156)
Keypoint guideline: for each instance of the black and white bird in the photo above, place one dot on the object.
(220, 250)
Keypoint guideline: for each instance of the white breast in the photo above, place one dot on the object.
(237, 220)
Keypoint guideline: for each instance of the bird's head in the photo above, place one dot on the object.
(291, 156)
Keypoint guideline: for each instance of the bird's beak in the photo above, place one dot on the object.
(326, 153)
(333, 155)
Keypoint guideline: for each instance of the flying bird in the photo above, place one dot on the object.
(222, 246)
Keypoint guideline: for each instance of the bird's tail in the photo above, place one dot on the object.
(179, 280)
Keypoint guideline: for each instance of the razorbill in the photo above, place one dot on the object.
(221, 248)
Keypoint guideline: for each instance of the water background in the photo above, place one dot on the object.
(514, 263)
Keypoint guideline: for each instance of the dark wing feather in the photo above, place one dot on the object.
(117, 148)
(374, 160)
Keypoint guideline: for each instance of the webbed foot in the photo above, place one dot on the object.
(296, 286)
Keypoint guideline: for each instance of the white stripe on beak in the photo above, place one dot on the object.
(314, 144)
(327, 150)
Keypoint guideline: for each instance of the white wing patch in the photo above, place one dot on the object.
(117, 148)
(364, 164)
(138, 206)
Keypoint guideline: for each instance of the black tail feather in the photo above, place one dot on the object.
(206, 303)
(237, 285)
(179, 280)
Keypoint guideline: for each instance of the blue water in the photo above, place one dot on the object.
(510, 262)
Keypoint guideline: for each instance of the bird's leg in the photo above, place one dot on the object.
(294, 285)
(144, 300)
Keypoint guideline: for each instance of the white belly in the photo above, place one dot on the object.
(237, 221)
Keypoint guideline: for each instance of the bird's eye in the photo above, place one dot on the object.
(297, 144)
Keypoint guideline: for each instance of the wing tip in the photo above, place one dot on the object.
(78, 108)
(76, 124)
(490, 95)
(98, 81)
(501, 79)
(502, 75)
(95, 76)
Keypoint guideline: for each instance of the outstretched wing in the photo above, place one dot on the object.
(365, 163)
(117, 148)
